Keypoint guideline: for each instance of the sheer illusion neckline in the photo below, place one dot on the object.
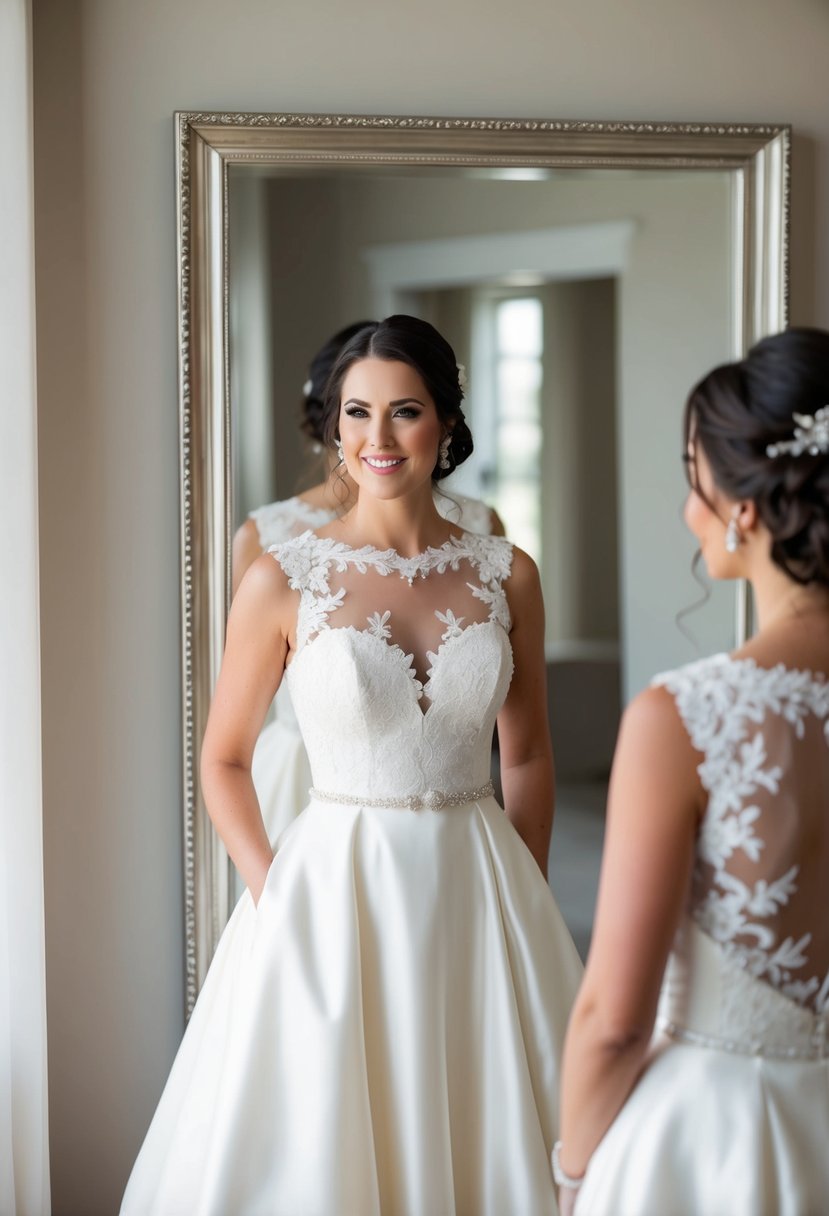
(466, 546)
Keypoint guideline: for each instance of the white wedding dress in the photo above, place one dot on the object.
(381, 1036)
(731, 1116)
(281, 771)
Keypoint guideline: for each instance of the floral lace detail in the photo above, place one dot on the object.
(279, 521)
(453, 624)
(379, 722)
(316, 610)
(496, 601)
(748, 1017)
(722, 701)
(404, 661)
(308, 561)
(379, 631)
(377, 626)
(306, 567)
(755, 1016)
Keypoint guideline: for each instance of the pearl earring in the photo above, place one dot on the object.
(733, 539)
(340, 452)
(443, 452)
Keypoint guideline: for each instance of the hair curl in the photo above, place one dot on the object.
(319, 370)
(740, 408)
(405, 339)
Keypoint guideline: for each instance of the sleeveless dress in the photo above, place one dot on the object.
(381, 1036)
(281, 772)
(731, 1116)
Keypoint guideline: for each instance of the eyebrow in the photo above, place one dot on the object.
(392, 404)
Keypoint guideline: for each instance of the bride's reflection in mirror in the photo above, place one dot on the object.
(281, 771)
(572, 335)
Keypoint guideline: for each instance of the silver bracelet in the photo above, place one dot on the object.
(561, 1179)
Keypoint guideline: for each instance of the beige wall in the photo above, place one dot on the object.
(108, 75)
(579, 490)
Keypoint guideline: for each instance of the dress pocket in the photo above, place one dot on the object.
(263, 893)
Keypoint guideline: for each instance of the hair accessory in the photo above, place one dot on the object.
(308, 387)
(462, 377)
(810, 435)
(733, 538)
(340, 452)
(561, 1178)
(443, 452)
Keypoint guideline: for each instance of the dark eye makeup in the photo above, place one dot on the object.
(402, 411)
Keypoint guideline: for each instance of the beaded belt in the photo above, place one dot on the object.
(430, 800)
(812, 1045)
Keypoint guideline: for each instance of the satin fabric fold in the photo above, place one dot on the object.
(381, 1036)
(376, 1039)
(712, 1130)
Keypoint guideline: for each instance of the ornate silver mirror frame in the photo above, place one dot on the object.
(207, 144)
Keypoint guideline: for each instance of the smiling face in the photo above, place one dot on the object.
(389, 428)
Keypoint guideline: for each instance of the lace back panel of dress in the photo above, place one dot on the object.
(762, 868)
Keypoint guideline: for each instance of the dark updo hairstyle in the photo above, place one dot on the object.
(319, 369)
(404, 339)
(737, 410)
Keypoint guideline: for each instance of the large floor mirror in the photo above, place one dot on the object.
(586, 274)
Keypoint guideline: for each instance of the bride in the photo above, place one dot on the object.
(717, 854)
(280, 768)
(380, 1030)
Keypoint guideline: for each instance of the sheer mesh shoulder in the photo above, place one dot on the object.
(762, 864)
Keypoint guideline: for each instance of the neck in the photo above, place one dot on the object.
(778, 598)
(409, 524)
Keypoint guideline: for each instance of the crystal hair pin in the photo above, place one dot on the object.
(307, 388)
(811, 434)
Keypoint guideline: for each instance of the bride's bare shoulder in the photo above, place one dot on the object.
(265, 593)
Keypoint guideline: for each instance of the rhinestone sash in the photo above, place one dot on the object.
(430, 800)
(805, 1045)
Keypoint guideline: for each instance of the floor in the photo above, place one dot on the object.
(575, 855)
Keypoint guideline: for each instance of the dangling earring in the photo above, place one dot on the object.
(443, 452)
(340, 452)
(733, 537)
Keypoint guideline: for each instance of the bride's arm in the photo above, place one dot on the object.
(654, 805)
(523, 728)
(254, 659)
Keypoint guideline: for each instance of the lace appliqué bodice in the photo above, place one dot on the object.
(400, 664)
(762, 864)
(280, 521)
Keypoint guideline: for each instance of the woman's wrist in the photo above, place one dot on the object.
(570, 1182)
